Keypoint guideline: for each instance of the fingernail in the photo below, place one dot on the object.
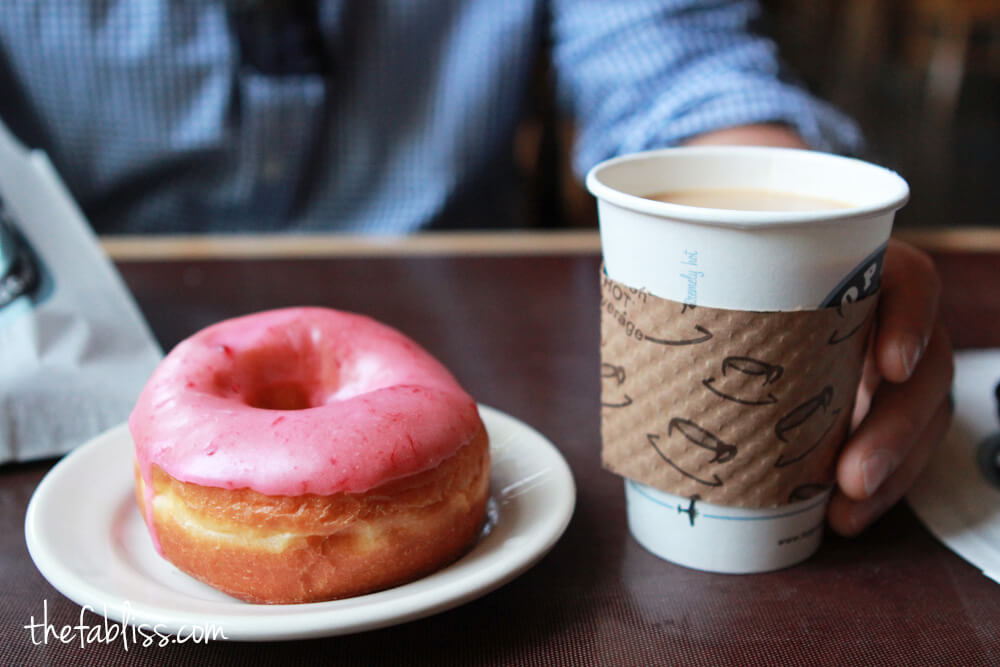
(875, 469)
(910, 349)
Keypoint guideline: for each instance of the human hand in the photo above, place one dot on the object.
(903, 407)
(760, 134)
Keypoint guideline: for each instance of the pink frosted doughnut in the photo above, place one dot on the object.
(306, 454)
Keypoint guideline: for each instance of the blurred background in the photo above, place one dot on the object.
(922, 77)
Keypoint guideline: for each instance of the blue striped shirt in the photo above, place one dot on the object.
(159, 119)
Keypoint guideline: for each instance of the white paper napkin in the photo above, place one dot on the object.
(75, 350)
(954, 497)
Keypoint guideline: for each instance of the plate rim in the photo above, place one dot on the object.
(320, 619)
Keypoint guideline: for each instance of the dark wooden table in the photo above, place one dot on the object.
(520, 331)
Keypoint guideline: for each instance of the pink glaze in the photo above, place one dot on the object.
(371, 406)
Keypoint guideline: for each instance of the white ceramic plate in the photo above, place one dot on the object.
(86, 536)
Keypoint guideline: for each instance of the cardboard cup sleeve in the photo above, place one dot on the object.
(738, 408)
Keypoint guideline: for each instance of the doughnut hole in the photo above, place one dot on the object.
(278, 377)
(297, 374)
(279, 396)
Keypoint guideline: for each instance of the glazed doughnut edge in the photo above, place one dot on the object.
(310, 548)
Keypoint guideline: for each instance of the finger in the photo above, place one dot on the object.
(870, 380)
(849, 517)
(908, 309)
(899, 415)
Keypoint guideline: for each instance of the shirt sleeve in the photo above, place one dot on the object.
(646, 74)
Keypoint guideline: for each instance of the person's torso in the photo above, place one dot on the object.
(186, 116)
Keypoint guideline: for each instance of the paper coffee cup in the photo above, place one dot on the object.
(743, 261)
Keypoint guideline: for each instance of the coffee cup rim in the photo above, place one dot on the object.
(896, 189)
